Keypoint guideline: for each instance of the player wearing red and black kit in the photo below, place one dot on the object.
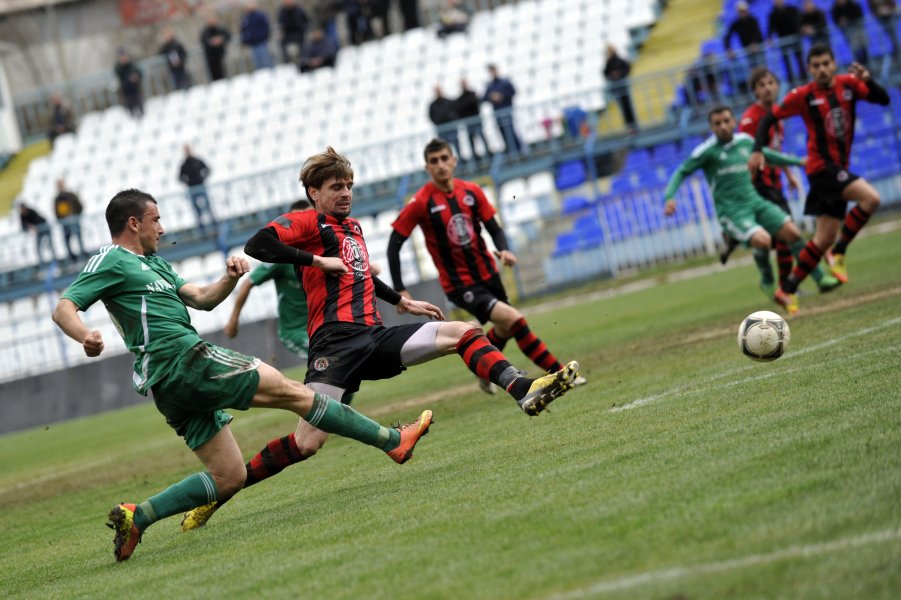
(828, 107)
(451, 213)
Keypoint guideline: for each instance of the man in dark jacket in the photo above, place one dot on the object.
(32, 221)
(467, 108)
(292, 29)
(320, 52)
(499, 93)
(848, 15)
(748, 30)
(214, 38)
(193, 174)
(813, 23)
(443, 113)
(886, 12)
(785, 25)
(616, 71)
(62, 119)
(130, 84)
(67, 207)
(176, 55)
(255, 35)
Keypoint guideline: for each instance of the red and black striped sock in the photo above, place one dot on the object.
(854, 221)
(278, 454)
(532, 346)
(496, 339)
(808, 258)
(784, 260)
(485, 360)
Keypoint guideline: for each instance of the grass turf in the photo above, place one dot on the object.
(682, 470)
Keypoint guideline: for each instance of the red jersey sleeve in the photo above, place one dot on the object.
(486, 211)
(858, 86)
(295, 228)
(408, 218)
(791, 105)
(748, 123)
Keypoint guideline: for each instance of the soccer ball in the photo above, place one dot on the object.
(763, 336)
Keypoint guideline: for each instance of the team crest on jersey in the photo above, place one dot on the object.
(469, 199)
(468, 297)
(842, 176)
(354, 255)
(320, 364)
(460, 230)
(847, 94)
(836, 122)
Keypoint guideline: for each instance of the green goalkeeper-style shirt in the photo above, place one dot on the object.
(141, 295)
(726, 167)
(292, 302)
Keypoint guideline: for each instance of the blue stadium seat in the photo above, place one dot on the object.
(574, 204)
(567, 243)
(570, 174)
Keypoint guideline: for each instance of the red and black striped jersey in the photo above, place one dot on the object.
(349, 298)
(829, 115)
(770, 177)
(452, 224)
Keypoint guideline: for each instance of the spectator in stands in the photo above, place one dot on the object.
(443, 113)
(68, 214)
(130, 84)
(848, 16)
(499, 93)
(467, 107)
(409, 9)
(357, 14)
(616, 71)
(214, 38)
(62, 119)
(255, 35)
(886, 13)
(785, 25)
(176, 57)
(32, 221)
(194, 173)
(748, 30)
(813, 24)
(453, 18)
(324, 13)
(292, 29)
(320, 52)
(377, 11)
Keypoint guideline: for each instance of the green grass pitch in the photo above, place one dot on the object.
(682, 470)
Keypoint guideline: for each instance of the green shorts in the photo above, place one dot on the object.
(299, 345)
(200, 385)
(741, 222)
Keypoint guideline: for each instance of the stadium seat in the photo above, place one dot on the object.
(570, 174)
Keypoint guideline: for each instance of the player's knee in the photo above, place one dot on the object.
(871, 202)
(230, 479)
(309, 445)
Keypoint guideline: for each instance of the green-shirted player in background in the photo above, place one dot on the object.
(742, 212)
(193, 381)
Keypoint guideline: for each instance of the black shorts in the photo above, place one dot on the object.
(775, 196)
(479, 299)
(344, 354)
(825, 195)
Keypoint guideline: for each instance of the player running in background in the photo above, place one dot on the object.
(192, 381)
(768, 182)
(742, 213)
(348, 343)
(827, 105)
(451, 213)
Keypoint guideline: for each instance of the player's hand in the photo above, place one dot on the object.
(793, 183)
(330, 264)
(506, 257)
(756, 162)
(236, 267)
(669, 209)
(419, 308)
(231, 328)
(93, 343)
(403, 294)
(859, 71)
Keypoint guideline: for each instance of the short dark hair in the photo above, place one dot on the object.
(820, 50)
(125, 204)
(321, 167)
(759, 73)
(301, 204)
(717, 110)
(436, 145)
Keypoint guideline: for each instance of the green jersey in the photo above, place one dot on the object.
(292, 302)
(726, 167)
(141, 295)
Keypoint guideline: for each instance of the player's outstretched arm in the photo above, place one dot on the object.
(782, 160)
(65, 315)
(210, 296)
(503, 253)
(395, 243)
(875, 92)
(419, 308)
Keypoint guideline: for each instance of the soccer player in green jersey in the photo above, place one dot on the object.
(192, 381)
(741, 211)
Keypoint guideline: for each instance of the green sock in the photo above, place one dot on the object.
(762, 259)
(192, 491)
(817, 273)
(331, 416)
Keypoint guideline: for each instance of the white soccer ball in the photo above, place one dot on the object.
(763, 336)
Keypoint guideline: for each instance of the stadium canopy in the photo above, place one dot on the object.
(13, 6)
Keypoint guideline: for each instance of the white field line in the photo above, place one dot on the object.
(704, 384)
(743, 562)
